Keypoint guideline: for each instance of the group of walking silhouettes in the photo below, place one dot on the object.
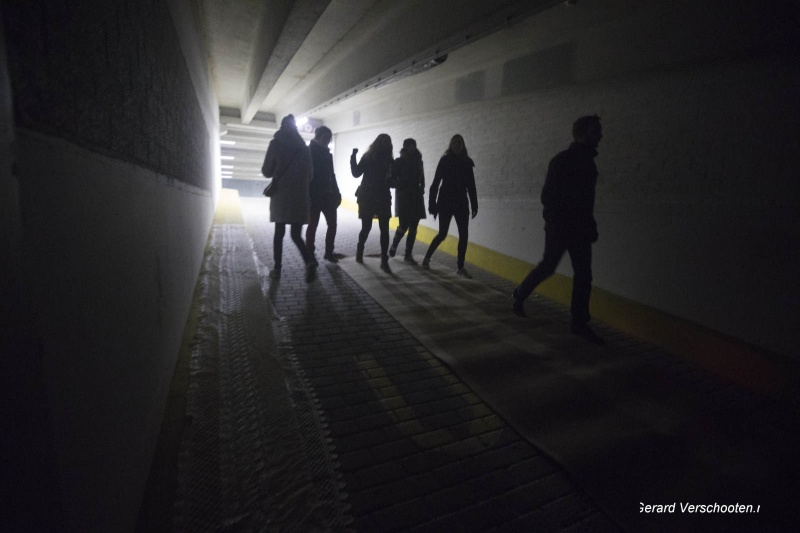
(451, 195)
(304, 188)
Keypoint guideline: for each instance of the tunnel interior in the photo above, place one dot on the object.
(113, 115)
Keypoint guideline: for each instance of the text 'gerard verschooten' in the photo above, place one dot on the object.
(734, 508)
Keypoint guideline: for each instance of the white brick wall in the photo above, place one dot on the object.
(698, 194)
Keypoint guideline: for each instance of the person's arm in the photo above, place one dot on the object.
(270, 162)
(550, 192)
(433, 208)
(356, 169)
(472, 190)
(393, 180)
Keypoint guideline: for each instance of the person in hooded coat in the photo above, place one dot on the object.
(457, 179)
(408, 178)
(374, 196)
(288, 163)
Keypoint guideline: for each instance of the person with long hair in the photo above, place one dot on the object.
(288, 163)
(453, 199)
(374, 197)
(408, 178)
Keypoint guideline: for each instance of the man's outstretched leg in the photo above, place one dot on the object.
(553, 251)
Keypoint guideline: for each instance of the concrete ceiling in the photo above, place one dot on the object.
(269, 58)
(278, 57)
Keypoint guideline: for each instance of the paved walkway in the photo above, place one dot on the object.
(374, 433)
(417, 450)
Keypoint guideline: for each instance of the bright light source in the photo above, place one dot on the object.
(228, 157)
(227, 173)
(301, 121)
(226, 166)
(230, 143)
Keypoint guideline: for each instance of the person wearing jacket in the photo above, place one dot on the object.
(324, 192)
(453, 200)
(288, 163)
(408, 178)
(569, 224)
(374, 197)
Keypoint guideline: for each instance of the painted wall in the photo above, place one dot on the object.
(115, 136)
(698, 195)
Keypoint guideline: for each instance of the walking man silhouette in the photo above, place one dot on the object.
(568, 200)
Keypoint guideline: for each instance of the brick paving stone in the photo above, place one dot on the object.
(416, 447)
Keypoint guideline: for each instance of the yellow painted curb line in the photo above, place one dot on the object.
(748, 365)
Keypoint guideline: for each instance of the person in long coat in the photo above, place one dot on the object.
(408, 177)
(374, 197)
(288, 163)
(457, 179)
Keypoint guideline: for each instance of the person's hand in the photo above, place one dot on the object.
(355, 151)
(474, 212)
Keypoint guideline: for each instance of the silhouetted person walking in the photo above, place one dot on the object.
(374, 197)
(568, 200)
(288, 163)
(325, 195)
(457, 179)
(408, 177)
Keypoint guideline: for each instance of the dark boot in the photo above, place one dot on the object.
(395, 242)
(360, 253)
(385, 264)
(518, 308)
(585, 332)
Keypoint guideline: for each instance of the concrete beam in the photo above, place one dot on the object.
(284, 28)
(396, 36)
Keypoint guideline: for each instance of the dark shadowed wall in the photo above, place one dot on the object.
(114, 133)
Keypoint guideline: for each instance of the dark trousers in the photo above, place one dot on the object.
(462, 223)
(277, 242)
(409, 225)
(366, 227)
(580, 253)
(311, 230)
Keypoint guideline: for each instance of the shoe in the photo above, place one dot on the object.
(331, 258)
(275, 273)
(359, 253)
(585, 332)
(385, 265)
(393, 251)
(463, 273)
(410, 260)
(426, 264)
(313, 260)
(311, 272)
(518, 307)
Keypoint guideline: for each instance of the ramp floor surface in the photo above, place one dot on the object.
(416, 401)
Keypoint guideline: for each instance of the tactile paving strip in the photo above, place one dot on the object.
(312, 423)
(254, 455)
